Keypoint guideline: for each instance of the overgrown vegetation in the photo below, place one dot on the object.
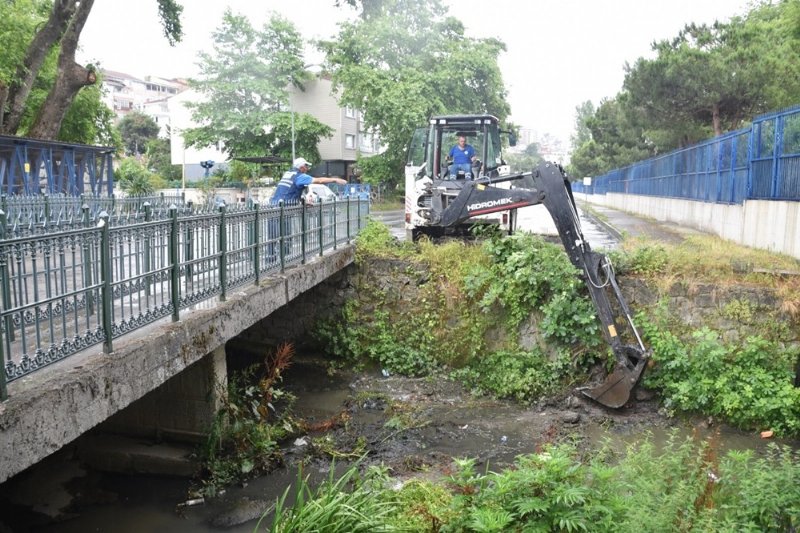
(749, 384)
(465, 311)
(243, 441)
(683, 487)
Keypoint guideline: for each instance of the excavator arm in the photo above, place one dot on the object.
(548, 185)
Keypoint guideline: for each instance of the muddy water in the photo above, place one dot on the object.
(413, 426)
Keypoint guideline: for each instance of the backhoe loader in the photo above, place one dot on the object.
(440, 202)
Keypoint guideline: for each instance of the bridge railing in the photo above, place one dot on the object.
(38, 214)
(62, 291)
(759, 162)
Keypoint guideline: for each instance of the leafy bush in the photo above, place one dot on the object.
(682, 487)
(523, 376)
(375, 240)
(748, 385)
(528, 274)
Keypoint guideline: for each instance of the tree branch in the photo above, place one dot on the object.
(43, 41)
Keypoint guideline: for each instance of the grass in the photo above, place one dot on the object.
(390, 204)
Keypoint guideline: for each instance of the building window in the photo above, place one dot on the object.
(349, 112)
(366, 142)
(349, 141)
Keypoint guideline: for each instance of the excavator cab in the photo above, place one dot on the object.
(429, 167)
(439, 201)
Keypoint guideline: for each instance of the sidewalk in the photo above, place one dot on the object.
(620, 224)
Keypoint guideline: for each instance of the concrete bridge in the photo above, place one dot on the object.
(51, 407)
(96, 312)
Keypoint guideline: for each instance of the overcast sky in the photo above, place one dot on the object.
(560, 53)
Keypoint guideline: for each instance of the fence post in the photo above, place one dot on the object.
(223, 254)
(87, 262)
(105, 274)
(148, 216)
(321, 230)
(46, 210)
(175, 264)
(256, 244)
(6, 284)
(281, 231)
(303, 233)
(189, 251)
(335, 208)
(348, 219)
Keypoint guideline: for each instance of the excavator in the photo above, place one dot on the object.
(441, 200)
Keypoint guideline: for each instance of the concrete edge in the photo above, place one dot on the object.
(607, 226)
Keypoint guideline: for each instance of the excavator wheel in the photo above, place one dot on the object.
(616, 389)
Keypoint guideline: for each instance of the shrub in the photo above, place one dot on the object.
(748, 385)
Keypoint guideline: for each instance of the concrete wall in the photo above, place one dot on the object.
(50, 408)
(770, 225)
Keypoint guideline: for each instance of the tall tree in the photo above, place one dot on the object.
(712, 79)
(616, 139)
(405, 60)
(244, 82)
(158, 160)
(136, 129)
(61, 23)
(582, 133)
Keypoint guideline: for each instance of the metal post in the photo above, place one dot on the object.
(321, 231)
(348, 219)
(303, 234)
(105, 274)
(334, 223)
(256, 244)
(175, 264)
(46, 221)
(5, 286)
(148, 216)
(223, 254)
(281, 231)
(189, 251)
(87, 262)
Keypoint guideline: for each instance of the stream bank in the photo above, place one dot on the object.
(413, 426)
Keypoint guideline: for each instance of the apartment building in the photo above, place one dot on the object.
(349, 139)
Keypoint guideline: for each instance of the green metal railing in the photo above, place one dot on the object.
(65, 290)
(35, 215)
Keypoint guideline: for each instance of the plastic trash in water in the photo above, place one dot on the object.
(385, 373)
(503, 439)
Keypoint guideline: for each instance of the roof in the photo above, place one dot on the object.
(264, 160)
(465, 119)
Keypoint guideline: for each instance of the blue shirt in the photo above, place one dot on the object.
(462, 156)
(291, 186)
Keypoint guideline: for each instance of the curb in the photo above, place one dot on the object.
(590, 214)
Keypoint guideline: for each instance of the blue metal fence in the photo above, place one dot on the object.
(33, 166)
(759, 162)
(64, 288)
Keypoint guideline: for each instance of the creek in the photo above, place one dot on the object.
(413, 426)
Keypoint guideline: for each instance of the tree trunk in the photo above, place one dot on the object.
(70, 79)
(3, 97)
(26, 74)
(715, 120)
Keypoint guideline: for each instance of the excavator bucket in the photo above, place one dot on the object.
(616, 389)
